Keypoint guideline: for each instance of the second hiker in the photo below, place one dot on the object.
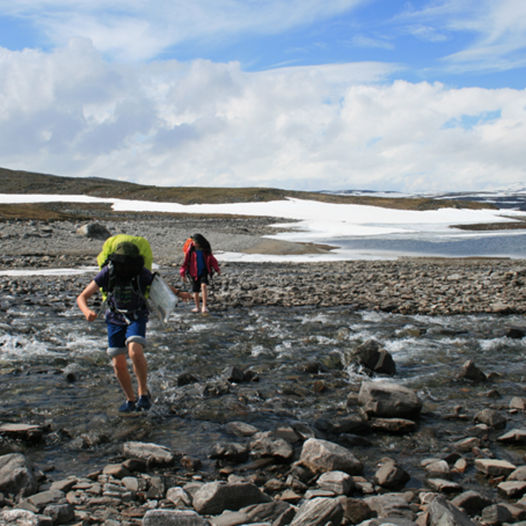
(199, 264)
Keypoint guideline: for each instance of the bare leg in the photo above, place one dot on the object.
(204, 292)
(140, 367)
(120, 366)
(196, 300)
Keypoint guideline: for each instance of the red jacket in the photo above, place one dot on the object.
(189, 265)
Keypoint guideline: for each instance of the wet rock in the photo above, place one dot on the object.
(396, 426)
(494, 467)
(471, 372)
(443, 485)
(491, 418)
(318, 512)
(241, 429)
(232, 452)
(150, 453)
(17, 475)
(44, 498)
(516, 332)
(514, 436)
(267, 445)
(512, 488)
(436, 467)
(390, 476)
(517, 403)
(18, 517)
(472, 502)
(337, 482)
(377, 360)
(356, 510)
(442, 512)
(496, 514)
(382, 399)
(60, 513)
(173, 518)
(214, 497)
(25, 432)
(321, 455)
(391, 505)
(272, 512)
(518, 474)
(337, 424)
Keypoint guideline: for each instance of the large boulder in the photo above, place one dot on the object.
(321, 455)
(389, 400)
(94, 231)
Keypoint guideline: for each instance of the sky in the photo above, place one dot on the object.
(419, 96)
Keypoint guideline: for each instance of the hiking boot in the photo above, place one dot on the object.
(127, 406)
(144, 403)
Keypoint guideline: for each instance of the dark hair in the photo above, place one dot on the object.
(202, 243)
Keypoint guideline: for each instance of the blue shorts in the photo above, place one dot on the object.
(119, 336)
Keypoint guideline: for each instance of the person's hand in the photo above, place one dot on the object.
(185, 296)
(90, 315)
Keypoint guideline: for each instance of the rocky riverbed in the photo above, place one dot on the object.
(315, 442)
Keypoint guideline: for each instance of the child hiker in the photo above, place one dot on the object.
(125, 280)
(199, 263)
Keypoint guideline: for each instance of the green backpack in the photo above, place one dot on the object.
(127, 255)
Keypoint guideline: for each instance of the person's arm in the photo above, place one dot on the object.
(214, 264)
(185, 296)
(82, 300)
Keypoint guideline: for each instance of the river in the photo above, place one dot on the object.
(54, 372)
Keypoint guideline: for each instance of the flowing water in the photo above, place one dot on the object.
(54, 372)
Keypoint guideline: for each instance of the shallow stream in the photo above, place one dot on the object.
(54, 371)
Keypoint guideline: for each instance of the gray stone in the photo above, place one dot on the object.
(338, 482)
(383, 399)
(94, 231)
(18, 517)
(173, 518)
(215, 497)
(374, 358)
(16, 475)
(321, 455)
(319, 511)
(512, 488)
(471, 502)
(491, 418)
(266, 445)
(514, 436)
(391, 476)
(444, 513)
(390, 505)
(151, 453)
(60, 513)
(494, 467)
(496, 514)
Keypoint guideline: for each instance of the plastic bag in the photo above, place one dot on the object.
(161, 299)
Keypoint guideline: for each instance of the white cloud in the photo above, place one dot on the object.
(497, 32)
(137, 29)
(204, 123)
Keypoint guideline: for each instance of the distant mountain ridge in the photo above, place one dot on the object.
(22, 182)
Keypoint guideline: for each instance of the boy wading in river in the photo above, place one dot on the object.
(124, 280)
